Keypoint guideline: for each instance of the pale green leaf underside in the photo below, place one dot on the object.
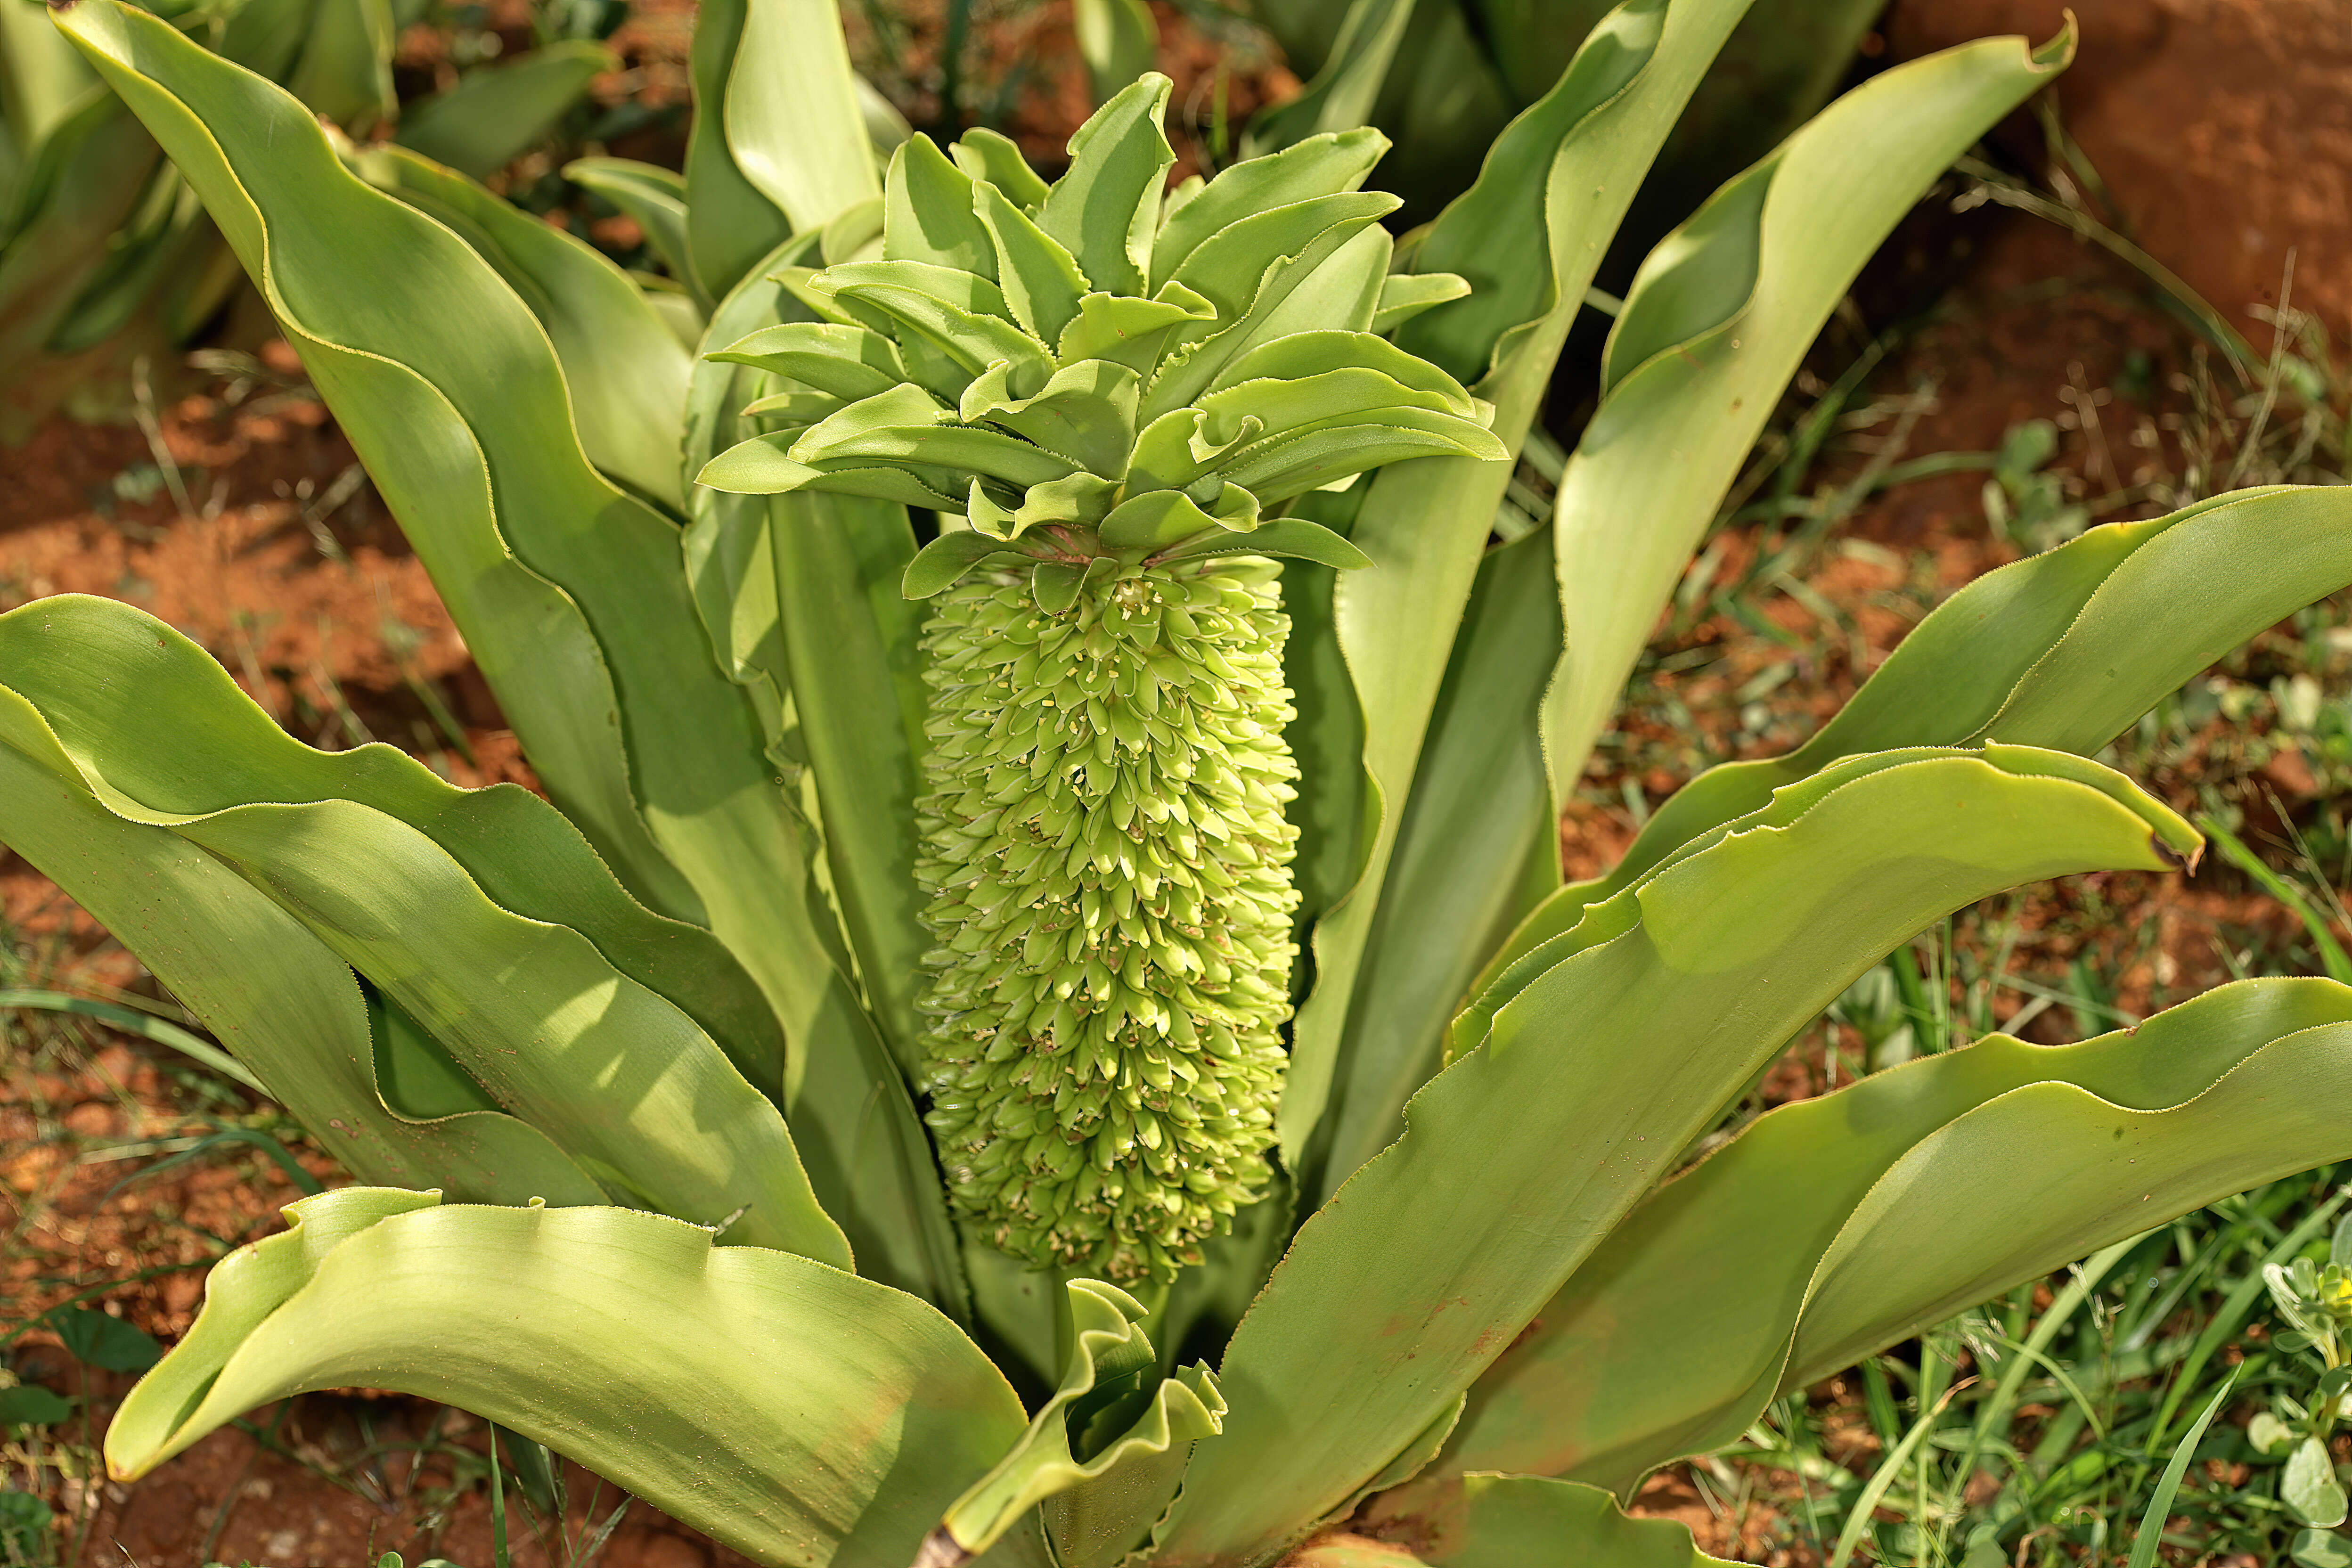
(798, 1414)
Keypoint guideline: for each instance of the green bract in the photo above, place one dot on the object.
(1022, 714)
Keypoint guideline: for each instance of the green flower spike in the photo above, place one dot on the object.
(1112, 396)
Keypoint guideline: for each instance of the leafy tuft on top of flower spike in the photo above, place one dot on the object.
(1093, 370)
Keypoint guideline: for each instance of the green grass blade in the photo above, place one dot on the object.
(146, 1025)
(1890, 1467)
(2332, 956)
(2167, 1487)
(795, 1412)
(1517, 1158)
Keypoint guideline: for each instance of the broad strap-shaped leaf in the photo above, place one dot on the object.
(799, 1415)
(1511, 1521)
(807, 581)
(653, 198)
(271, 992)
(729, 224)
(1117, 39)
(1476, 849)
(624, 368)
(1104, 1454)
(627, 1084)
(451, 395)
(1551, 194)
(1341, 94)
(1717, 319)
(1103, 208)
(532, 643)
(1321, 165)
(792, 119)
(1520, 1156)
(2063, 649)
(72, 196)
(496, 114)
(1680, 1328)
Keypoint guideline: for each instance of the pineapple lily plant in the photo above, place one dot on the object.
(1039, 1017)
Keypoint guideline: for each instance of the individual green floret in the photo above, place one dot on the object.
(1112, 396)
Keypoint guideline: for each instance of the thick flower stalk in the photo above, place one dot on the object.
(1110, 397)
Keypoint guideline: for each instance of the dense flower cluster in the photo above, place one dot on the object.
(1111, 393)
(1106, 859)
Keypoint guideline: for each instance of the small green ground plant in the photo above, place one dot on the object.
(858, 1113)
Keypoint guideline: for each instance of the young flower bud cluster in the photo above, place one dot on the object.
(1111, 392)
(1108, 865)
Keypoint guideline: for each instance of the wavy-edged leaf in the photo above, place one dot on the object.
(798, 1414)
(496, 114)
(1511, 1521)
(853, 1117)
(1040, 278)
(850, 362)
(1717, 319)
(1285, 538)
(729, 224)
(763, 465)
(626, 1083)
(1105, 205)
(1322, 165)
(1105, 1452)
(1129, 332)
(927, 203)
(1766, 1210)
(795, 125)
(1551, 193)
(1303, 356)
(905, 426)
(623, 369)
(268, 989)
(1230, 267)
(963, 314)
(652, 197)
(2063, 649)
(992, 155)
(82, 184)
(467, 436)
(1521, 1155)
(1404, 295)
(1476, 849)
(467, 489)
(1085, 412)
